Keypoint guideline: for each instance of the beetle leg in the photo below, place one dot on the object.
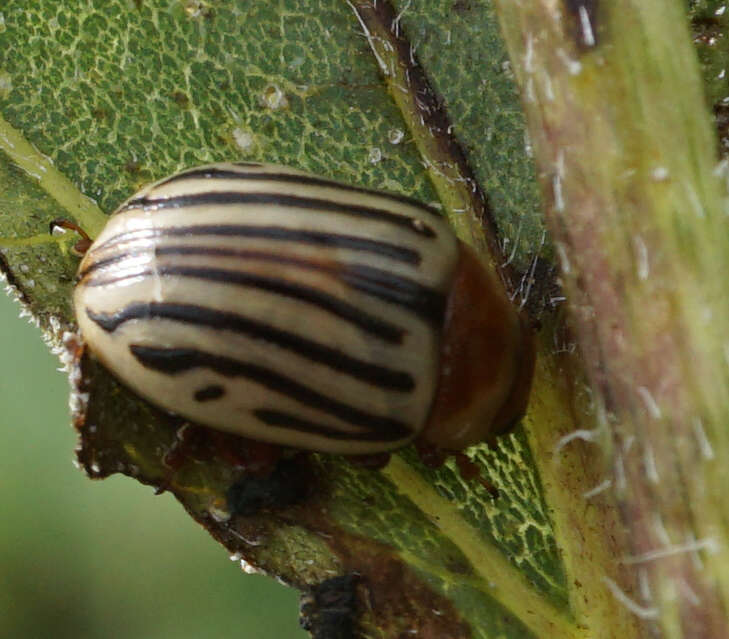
(470, 471)
(435, 457)
(83, 244)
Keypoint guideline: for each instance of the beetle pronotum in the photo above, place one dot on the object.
(291, 309)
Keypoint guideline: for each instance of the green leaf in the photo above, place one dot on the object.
(709, 21)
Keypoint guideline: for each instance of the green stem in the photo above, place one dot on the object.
(626, 156)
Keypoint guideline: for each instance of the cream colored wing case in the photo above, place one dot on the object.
(273, 304)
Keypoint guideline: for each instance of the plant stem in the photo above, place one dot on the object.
(626, 157)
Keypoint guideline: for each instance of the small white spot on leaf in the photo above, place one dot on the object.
(395, 136)
(274, 98)
(243, 139)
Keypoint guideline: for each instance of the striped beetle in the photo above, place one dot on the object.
(295, 310)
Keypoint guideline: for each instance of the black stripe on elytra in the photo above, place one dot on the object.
(209, 393)
(293, 422)
(369, 323)
(217, 173)
(227, 198)
(424, 301)
(172, 361)
(373, 374)
(277, 233)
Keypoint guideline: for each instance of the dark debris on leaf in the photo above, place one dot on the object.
(329, 609)
(288, 484)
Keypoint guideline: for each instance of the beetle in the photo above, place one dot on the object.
(291, 309)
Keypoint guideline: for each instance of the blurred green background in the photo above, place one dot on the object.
(107, 559)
